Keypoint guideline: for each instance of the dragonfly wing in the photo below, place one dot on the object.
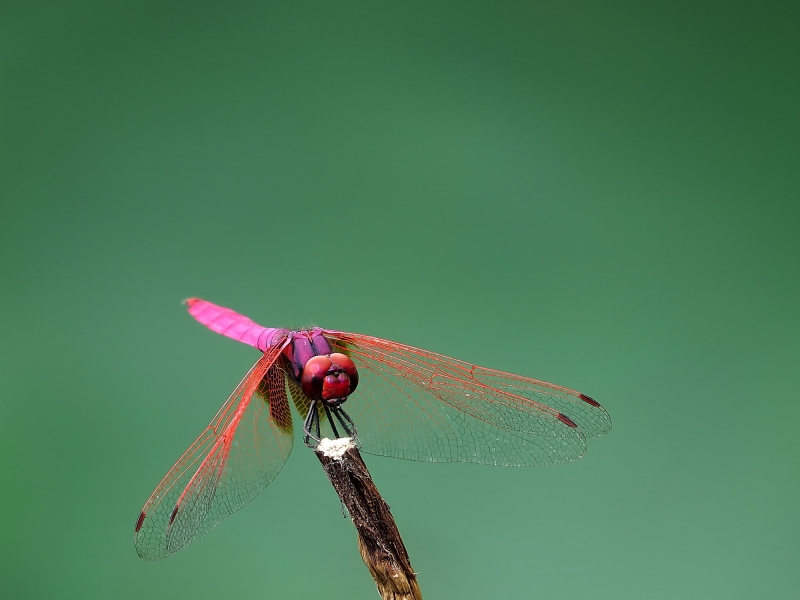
(419, 405)
(592, 419)
(239, 454)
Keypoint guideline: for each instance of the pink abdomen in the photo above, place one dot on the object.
(233, 325)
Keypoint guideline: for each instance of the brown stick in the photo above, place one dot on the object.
(378, 538)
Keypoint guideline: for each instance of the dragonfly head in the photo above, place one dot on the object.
(329, 377)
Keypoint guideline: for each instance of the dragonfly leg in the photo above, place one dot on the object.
(330, 420)
(316, 421)
(308, 424)
(349, 420)
(351, 428)
(305, 427)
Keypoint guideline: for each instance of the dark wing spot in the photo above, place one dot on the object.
(564, 419)
(172, 516)
(139, 522)
(589, 400)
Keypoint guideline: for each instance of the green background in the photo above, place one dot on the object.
(599, 195)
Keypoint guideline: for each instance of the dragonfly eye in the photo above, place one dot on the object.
(348, 366)
(314, 373)
(331, 377)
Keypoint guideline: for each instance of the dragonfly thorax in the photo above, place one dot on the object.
(322, 374)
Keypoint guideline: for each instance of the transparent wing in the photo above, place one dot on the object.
(239, 454)
(419, 405)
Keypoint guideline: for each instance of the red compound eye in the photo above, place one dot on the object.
(348, 366)
(314, 376)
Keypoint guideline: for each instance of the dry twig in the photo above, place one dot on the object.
(378, 538)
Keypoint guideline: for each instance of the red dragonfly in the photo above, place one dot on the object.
(407, 402)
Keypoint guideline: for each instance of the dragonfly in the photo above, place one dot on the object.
(395, 400)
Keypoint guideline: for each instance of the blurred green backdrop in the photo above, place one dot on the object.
(600, 195)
